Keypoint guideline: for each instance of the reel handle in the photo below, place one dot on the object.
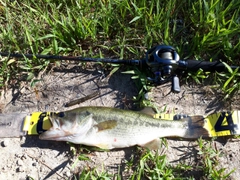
(175, 84)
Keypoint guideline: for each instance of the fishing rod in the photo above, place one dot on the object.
(163, 62)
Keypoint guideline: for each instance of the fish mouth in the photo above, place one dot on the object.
(56, 132)
(55, 135)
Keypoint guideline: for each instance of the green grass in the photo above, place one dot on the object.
(204, 30)
(151, 165)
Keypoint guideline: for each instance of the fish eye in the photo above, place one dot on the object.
(61, 114)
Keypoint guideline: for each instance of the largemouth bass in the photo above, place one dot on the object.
(110, 128)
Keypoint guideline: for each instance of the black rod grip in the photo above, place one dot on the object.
(195, 65)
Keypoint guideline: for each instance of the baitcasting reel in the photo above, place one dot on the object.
(163, 62)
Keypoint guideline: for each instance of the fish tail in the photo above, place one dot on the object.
(196, 128)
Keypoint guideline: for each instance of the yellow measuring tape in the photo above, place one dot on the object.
(37, 123)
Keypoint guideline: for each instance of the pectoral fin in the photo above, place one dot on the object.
(152, 145)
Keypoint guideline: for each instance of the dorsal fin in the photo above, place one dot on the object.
(148, 110)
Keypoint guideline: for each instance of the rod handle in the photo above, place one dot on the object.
(195, 65)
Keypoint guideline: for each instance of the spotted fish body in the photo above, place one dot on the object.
(110, 128)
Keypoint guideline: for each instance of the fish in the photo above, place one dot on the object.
(112, 128)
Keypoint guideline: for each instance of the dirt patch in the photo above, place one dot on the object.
(38, 159)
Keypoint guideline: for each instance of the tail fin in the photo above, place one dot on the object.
(196, 128)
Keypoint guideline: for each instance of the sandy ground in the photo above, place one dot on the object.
(30, 157)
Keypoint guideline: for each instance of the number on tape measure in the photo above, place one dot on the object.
(230, 124)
